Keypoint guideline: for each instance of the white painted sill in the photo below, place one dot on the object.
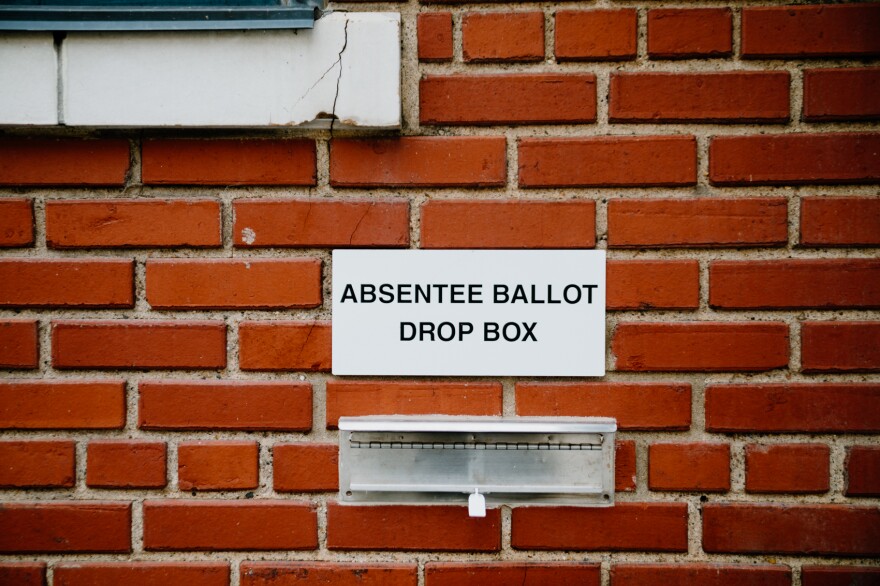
(344, 73)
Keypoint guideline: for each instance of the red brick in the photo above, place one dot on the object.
(741, 96)
(62, 404)
(810, 31)
(139, 344)
(596, 35)
(217, 465)
(608, 161)
(37, 464)
(305, 467)
(86, 527)
(66, 283)
(23, 574)
(791, 529)
(240, 405)
(285, 345)
(840, 221)
(419, 161)
(411, 528)
(504, 573)
(508, 224)
(636, 406)
(63, 161)
(356, 398)
(233, 284)
(143, 574)
(623, 527)
(176, 525)
(503, 36)
(299, 223)
(839, 576)
(842, 94)
(795, 284)
(795, 159)
(16, 223)
(701, 346)
(625, 466)
(703, 222)
(840, 346)
(863, 471)
(435, 36)
(321, 573)
(128, 223)
(699, 467)
(792, 408)
(126, 464)
(690, 33)
(702, 574)
(19, 346)
(512, 98)
(229, 162)
(653, 284)
(787, 468)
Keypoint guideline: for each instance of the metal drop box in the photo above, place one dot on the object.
(439, 459)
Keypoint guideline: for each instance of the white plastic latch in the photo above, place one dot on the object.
(477, 504)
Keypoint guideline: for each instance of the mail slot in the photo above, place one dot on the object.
(436, 459)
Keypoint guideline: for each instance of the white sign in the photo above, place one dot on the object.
(469, 312)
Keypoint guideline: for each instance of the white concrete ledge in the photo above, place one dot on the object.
(346, 69)
(28, 79)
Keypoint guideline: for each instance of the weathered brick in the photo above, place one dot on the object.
(842, 94)
(128, 223)
(623, 527)
(508, 224)
(504, 573)
(239, 405)
(305, 467)
(701, 346)
(795, 284)
(787, 468)
(48, 527)
(300, 223)
(139, 344)
(792, 408)
(840, 346)
(142, 573)
(652, 284)
(503, 36)
(810, 31)
(840, 221)
(125, 464)
(863, 471)
(791, 529)
(435, 36)
(354, 398)
(283, 345)
(229, 162)
(19, 345)
(29, 404)
(16, 223)
(419, 161)
(596, 35)
(839, 576)
(700, 467)
(37, 464)
(635, 406)
(613, 161)
(625, 466)
(319, 573)
(233, 284)
(515, 98)
(411, 528)
(702, 574)
(730, 96)
(103, 283)
(216, 525)
(217, 465)
(686, 33)
(703, 222)
(63, 161)
(23, 573)
(795, 159)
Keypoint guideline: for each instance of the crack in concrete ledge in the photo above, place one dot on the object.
(338, 79)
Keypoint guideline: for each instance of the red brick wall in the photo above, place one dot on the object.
(167, 412)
